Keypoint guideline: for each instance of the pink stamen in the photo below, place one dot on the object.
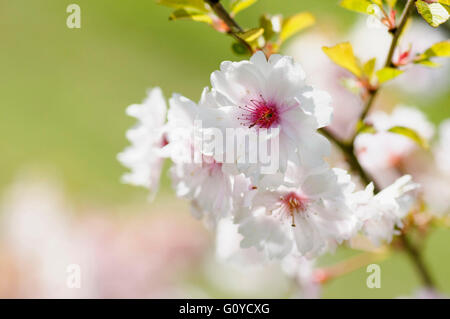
(294, 203)
(259, 113)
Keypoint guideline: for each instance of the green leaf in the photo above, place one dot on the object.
(445, 2)
(378, 2)
(265, 22)
(239, 48)
(441, 49)
(295, 24)
(391, 3)
(433, 13)
(369, 67)
(251, 35)
(361, 6)
(386, 74)
(342, 55)
(428, 63)
(239, 5)
(182, 14)
(410, 133)
(362, 127)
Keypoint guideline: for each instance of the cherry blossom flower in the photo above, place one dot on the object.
(258, 95)
(146, 137)
(308, 217)
(383, 153)
(204, 182)
(303, 271)
(382, 213)
(307, 50)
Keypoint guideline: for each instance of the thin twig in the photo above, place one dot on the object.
(396, 33)
(349, 152)
(234, 27)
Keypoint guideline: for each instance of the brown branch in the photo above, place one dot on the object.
(417, 260)
(348, 148)
(349, 152)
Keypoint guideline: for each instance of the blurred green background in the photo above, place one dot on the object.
(64, 91)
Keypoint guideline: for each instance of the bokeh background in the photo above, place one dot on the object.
(63, 95)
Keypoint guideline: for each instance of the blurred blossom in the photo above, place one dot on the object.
(381, 214)
(425, 293)
(372, 42)
(435, 176)
(250, 262)
(442, 149)
(384, 153)
(303, 272)
(228, 247)
(143, 257)
(37, 232)
(146, 138)
(243, 272)
(325, 75)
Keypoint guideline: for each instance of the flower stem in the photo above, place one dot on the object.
(397, 32)
(234, 27)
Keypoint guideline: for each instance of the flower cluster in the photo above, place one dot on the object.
(300, 209)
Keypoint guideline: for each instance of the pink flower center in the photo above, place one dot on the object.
(294, 203)
(259, 113)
